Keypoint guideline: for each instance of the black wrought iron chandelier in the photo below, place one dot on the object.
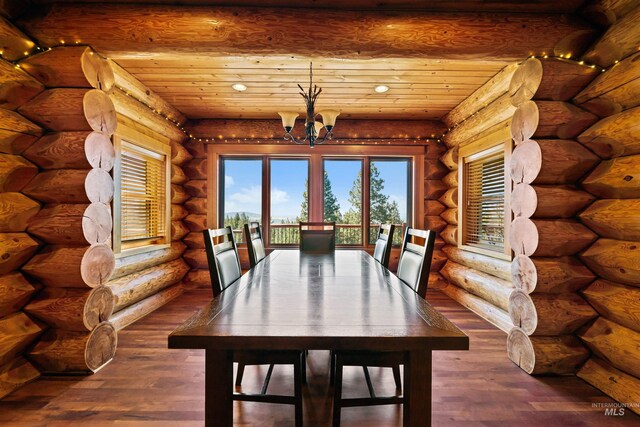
(312, 127)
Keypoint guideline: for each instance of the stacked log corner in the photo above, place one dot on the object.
(434, 171)
(74, 185)
(614, 337)
(195, 166)
(546, 235)
(18, 329)
(480, 282)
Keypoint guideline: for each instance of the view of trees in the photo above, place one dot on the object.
(382, 210)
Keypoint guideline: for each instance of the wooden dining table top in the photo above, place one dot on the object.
(340, 301)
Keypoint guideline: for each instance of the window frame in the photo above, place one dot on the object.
(476, 151)
(410, 201)
(218, 152)
(128, 136)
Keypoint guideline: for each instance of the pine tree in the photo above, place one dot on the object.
(331, 205)
(304, 207)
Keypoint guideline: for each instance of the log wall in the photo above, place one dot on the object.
(74, 158)
(56, 191)
(614, 337)
(479, 282)
(546, 234)
(18, 329)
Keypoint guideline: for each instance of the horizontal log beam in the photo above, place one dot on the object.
(549, 275)
(70, 66)
(497, 86)
(486, 264)
(17, 86)
(17, 331)
(614, 343)
(16, 210)
(235, 31)
(15, 250)
(614, 91)
(618, 178)
(15, 291)
(614, 136)
(549, 314)
(611, 381)
(615, 302)
(615, 260)
(494, 315)
(135, 287)
(137, 311)
(490, 288)
(221, 129)
(134, 87)
(620, 41)
(614, 218)
(131, 264)
(15, 374)
(545, 355)
(60, 351)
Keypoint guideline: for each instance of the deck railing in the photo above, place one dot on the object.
(346, 234)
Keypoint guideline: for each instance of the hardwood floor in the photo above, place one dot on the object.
(148, 384)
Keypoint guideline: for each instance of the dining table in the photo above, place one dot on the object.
(293, 300)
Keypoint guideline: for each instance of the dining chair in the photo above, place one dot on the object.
(255, 243)
(225, 270)
(319, 237)
(384, 241)
(413, 271)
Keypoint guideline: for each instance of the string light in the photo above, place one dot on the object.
(37, 50)
(564, 57)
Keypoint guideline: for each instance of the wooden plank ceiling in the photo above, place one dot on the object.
(191, 56)
(418, 89)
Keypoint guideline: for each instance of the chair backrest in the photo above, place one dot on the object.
(318, 237)
(384, 241)
(222, 255)
(255, 244)
(415, 259)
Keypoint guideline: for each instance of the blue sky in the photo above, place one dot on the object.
(243, 186)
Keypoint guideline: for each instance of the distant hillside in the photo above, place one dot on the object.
(251, 215)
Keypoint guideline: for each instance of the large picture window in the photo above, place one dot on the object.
(484, 215)
(289, 199)
(282, 186)
(342, 197)
(241, 190)
(389, 195)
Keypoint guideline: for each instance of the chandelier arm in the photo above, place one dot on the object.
(327, 136)
(289, 137)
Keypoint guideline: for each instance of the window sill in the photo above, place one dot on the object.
(142, 249)
(487, 252)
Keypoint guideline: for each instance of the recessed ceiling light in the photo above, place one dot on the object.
(381, 88)
(239, 87)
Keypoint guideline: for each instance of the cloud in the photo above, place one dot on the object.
(249, 195)
(228, 181)
(279, 196)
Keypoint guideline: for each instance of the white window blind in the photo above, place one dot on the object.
(143, 189)
(484, 186)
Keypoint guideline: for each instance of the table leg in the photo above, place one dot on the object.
(417, 389)
(218, 389)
